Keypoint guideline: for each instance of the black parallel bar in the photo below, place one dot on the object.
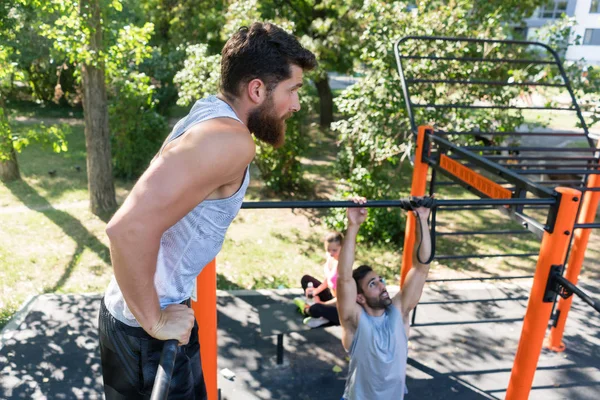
(582, 295)
(540, 158)
(481, 278)
(592, 189)
(586, 226)
(536, 149)
(462, 257)
(555, 134)
(560, 171)
(559, 182)
(498, 107)
(492, 167)
(549, 166)
(473, 59)
(506, 232)
(476, 82)
(391, 203)
(160, 389)
(428, 303)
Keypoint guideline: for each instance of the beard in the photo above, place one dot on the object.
(379, 302)
(266, 125)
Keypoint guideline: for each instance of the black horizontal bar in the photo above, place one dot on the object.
(556, 134)
(432, 105)
(390, 203)
(590, 189)
(560, 182)
(474, 59)
(527, 165)
(559, 171)
(480, 278)
(491, 83)
(490, 166)
(468, 208)
(479, 321)
(519, 232)
(582, 295)
(541, 158)
(462, 257)
(429, 303)
(539, 149)
(586, 226)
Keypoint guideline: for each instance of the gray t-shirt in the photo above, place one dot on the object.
(378, 357)
(190, 244)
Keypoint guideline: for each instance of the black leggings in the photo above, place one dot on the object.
(327, 311)
(130, 360)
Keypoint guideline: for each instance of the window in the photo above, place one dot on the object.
(555, 10)
(591, 37)
(595, 7)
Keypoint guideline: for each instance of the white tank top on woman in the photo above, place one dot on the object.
(190, 244)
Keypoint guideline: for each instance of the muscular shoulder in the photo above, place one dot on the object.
(222, 144)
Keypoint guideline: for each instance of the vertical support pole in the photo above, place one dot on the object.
(419, 185)
(205, 310)
(552, 251)
(587, 215)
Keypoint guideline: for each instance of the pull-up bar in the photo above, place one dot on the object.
(405, 204)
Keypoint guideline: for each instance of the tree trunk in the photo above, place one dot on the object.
(325, 101)
(9, 169)
(95, 113)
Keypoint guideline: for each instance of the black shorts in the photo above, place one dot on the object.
(130, 360)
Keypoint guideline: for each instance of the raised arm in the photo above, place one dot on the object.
(206, 158)
(348, 308)
(408, 298)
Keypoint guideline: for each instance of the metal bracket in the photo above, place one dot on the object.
(555, 287)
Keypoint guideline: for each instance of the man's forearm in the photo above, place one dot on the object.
(134, 265)
(346, 259)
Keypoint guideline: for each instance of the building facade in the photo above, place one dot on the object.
(587, 15)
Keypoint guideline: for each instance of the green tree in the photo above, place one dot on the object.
(375, 133)
(330, 29)
(10, 142)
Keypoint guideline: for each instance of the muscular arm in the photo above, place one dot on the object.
(408, 298)
(204, 160)
(348, 309)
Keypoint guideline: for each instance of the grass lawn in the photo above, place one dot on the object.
(51, 243)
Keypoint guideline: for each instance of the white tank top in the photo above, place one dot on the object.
(190, 244)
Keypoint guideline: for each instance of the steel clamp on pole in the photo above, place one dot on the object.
(166, 365)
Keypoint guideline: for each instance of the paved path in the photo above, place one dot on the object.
(50, 351)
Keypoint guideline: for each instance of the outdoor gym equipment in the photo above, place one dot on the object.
(501, 176)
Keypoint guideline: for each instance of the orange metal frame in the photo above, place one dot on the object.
(587, 214)
(419, 184)
(205, 310)
(552, 252)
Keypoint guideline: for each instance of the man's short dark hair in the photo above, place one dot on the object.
(358, 274)
(263, 51)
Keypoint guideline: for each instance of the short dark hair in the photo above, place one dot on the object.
(263, 51)
(358, 274)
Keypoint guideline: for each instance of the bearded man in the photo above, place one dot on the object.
(375, 325)
(174, 220)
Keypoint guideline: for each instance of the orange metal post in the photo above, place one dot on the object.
(552, 252)
(587, 214)
(419, 184)
(205, 310)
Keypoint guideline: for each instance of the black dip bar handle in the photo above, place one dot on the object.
(160, 390)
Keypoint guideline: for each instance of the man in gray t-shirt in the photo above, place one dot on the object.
(375, 326)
